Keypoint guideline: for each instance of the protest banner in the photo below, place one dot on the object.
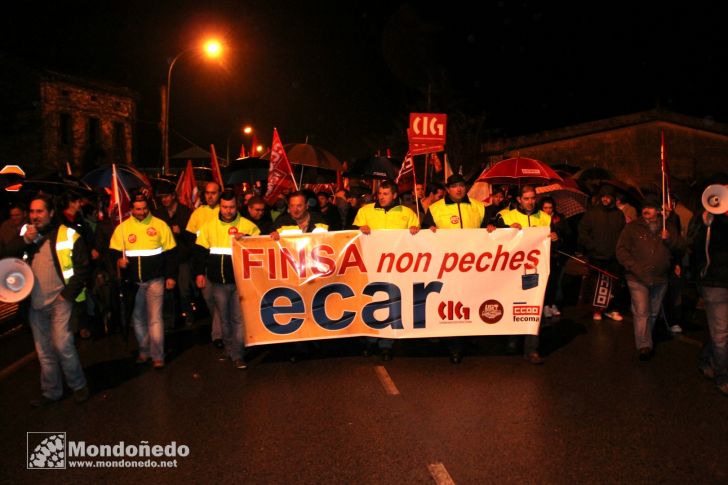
(392, 284)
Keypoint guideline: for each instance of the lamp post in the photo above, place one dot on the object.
(211, 49)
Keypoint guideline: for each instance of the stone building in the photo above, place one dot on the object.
(48, 119)
(629, 147)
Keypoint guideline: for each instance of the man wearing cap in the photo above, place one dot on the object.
(177, 216)
(455, 211)
(144, 246)
(386, 213)
(198, 218)
(213, 265)
(599, 230)
(646, 249)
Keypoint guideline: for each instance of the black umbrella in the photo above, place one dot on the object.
(374, 168)
(57, 186)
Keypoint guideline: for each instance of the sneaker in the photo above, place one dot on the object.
(707, 372)
(645, 354)
(240, 364)
(676, 329)
(597, 316)
(555, 311)
(81, 395)
(534, 358)
(614, 316)
(158, 364)
(547, 312)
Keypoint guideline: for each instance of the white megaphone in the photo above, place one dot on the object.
(715, 199)
(16, 280)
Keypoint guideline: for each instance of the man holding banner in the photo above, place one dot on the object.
(386, 213)
(455, 211)
(214, 267)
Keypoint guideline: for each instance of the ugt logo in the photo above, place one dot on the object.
(451, 310)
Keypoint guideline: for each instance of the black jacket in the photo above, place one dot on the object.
(599, 231)
(717, 272)
(646, 257)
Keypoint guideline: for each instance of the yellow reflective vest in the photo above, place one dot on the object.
(65, 239)
(200, 216)
(144, 244)
(466, 214)
(378, 217)
(216, 236)
(535, 219)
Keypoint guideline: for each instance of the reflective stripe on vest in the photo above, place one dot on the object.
(228, 251)
(133, 253)
(64, 253)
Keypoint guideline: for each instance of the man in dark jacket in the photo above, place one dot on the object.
(599, 230)
(60, 262)
(645, 249)
(709, 233)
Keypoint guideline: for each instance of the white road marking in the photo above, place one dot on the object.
(386, 381)
(439, 474)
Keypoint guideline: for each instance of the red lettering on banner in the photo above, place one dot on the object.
(469, 261)
(322, 265)
(251, 263)
(388, 262)
(288, 260)
(351, 258)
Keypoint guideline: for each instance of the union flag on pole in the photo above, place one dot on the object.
(280, 173)
(120, 202)
(187, 191)
(406, 178)
(216, 174)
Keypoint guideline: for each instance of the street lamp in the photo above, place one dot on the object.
(211, 49)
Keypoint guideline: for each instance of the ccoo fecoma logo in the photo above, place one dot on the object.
(46, 451)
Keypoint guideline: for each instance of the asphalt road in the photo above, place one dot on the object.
(592, 414)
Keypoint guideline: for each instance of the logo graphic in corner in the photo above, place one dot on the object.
(527, 310)
(491, 311)
(452, 310)
(46, 451)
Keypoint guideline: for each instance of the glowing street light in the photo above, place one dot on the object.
(211, 49)
(247, 130)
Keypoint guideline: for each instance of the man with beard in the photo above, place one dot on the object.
(60, 262)
(646, 249)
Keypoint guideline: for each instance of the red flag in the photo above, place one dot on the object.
(436, 163)
(187, 192)
(666, 198)
(406, 178)
(242, 151)
(254, 147)
(280, 174)
(120, 202)
(216, 174)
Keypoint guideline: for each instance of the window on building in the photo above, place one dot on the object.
(119, 138)
(65, 129)
(94, 131)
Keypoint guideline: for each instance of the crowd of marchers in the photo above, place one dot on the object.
(157, 268)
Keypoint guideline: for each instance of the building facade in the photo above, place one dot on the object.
(51, 119)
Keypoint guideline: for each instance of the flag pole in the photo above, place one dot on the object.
(122, 301)
(414, 187)
(662, 169)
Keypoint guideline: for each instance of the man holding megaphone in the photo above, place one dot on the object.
(709, 233)
(60, 263)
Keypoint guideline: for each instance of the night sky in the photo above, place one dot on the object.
(347, 74)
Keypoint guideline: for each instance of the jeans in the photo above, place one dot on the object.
(147, 318)
(646, 302)
(715, 353)
(56, 349)
(227, 305)
(216, 333)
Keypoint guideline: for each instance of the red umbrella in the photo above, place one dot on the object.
(519, 170)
